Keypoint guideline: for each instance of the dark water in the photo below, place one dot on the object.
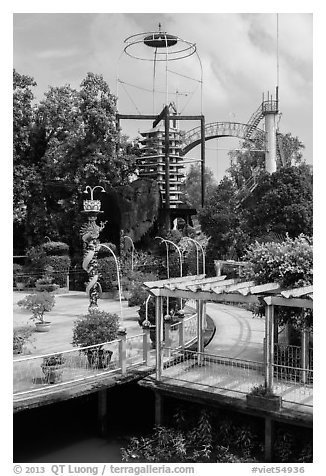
(68, 431)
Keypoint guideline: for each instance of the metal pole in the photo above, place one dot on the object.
(167, 164)
(202, 153)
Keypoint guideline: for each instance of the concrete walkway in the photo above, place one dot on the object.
(237, 334)
(66, 310)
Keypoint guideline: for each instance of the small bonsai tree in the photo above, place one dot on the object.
(96, 327)
(38, 304)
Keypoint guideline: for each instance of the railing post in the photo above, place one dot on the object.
(269, 335)
(122, 334)
(159, 335)
(305, 355)
(146, 345)
(200, 336)
(67, 282)
(181, 330)
(167, 339)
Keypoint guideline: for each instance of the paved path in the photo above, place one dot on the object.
(237, 335)
(66, 310)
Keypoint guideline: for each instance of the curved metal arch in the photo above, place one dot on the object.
(214, 130)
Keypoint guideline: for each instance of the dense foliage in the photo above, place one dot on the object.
(175, 445)
(280, 203)
(200, 436)
(289, 263)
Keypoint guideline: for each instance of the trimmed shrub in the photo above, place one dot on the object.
(94, 328)
(55, 248)
(107, 270)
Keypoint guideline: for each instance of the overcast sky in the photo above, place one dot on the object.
(238, 53)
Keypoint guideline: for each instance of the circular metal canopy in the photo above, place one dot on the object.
(160, 40)
(165, 45)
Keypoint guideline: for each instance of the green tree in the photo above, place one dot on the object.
(23, 117)
(290, 149)
(73, 141)
(222, 221)
(192, 185)
(281, 203)
(250, 160)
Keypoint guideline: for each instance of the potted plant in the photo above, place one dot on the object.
(262, 397)
(52, 367)
(174, 307)
(38, 304)
(94, 329)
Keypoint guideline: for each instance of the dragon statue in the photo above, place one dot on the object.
(90, 233)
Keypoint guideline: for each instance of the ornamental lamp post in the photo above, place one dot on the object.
(132, 250)
(90, 233)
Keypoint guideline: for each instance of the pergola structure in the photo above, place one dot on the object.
(220, 289)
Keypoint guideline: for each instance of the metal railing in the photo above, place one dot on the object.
(32, 374)
(35, 373)
(233, 376)
(294, 384)
(230, 376)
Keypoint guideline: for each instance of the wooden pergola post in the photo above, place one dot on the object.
(269, 339)
(159, 335)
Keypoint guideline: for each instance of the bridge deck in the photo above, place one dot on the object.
(229, 381)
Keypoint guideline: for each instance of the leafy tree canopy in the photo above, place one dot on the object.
(281, 203)
(68, 140)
